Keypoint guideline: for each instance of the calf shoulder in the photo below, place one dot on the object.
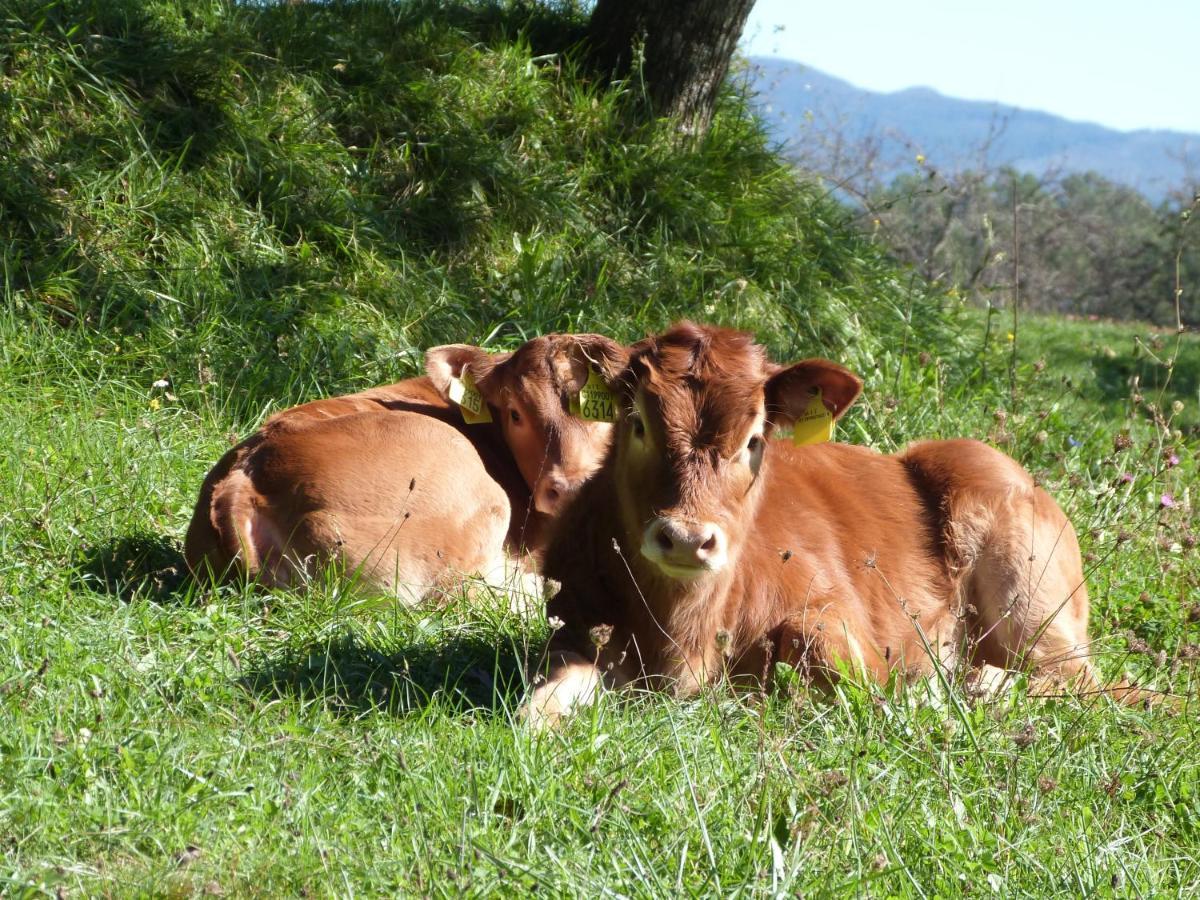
(596, 582)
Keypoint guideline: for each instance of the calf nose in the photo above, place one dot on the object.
(551, 493)
(683, 544)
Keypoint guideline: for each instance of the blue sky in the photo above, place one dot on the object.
(1122, 64)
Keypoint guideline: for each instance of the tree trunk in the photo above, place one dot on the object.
(687, 45)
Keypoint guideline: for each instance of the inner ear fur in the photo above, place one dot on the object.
(791, 389)
(448, 361)
(595, 351)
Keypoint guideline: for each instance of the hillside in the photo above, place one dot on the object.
(949, 131)
(331, 187)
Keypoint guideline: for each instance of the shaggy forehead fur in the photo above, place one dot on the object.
(540, 372)
(705, 383)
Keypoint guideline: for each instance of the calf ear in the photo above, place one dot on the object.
(448, 361)
(790, 390)
(593, 351)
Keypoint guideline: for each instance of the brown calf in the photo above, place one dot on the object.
(392, 483)
(702, 547)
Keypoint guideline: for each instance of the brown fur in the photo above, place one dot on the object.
(394, 485)
(835, 555)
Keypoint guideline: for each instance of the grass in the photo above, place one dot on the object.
(210, 186)
(217, 228)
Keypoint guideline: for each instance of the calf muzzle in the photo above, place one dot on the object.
(684, 548)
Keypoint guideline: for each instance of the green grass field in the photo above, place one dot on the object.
(159, 739)
(305, 740)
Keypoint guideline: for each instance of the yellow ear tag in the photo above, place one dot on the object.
(470, 402)
(815, 425)
(594, 402)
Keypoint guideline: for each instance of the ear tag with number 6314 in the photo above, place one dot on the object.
(470, 402)
(815, 424)
(594, 402)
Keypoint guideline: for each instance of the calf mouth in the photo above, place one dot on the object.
(682, 572)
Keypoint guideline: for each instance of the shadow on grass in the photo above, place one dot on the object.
(468, 674)
(1114, 374)
(141, 564)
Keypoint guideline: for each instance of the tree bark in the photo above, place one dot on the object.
(686, 44)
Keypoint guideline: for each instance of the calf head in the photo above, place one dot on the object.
(698, 406)
(529, 392)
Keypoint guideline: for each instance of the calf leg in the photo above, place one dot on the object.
(1026, 594)
(821, 649)
(571, 683)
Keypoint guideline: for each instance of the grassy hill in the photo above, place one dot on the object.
(267, 203)
(350, 182)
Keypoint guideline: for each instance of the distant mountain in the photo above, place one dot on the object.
(801, 103)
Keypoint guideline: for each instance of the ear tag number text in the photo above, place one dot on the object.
(594, 402)
(468, 399)
(815, 424)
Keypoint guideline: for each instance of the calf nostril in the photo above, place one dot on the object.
(664, 540)
(711, 543)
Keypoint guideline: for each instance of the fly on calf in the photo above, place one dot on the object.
(703, 547)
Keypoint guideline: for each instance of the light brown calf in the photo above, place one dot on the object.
(394, 485)
(702, 547)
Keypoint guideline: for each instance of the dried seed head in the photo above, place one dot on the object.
(1137, 645)
(1026, 736)
(1122, 441)
(723, 640)
(555, 623)
(600, 635)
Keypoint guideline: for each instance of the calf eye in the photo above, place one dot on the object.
(754, 444)
(514, 417)
(639, 427)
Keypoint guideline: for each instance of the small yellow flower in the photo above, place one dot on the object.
(920, 159)
(155, 403)
(1011, 336)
